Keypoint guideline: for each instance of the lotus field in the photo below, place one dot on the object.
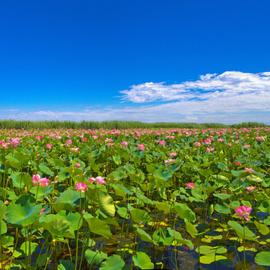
(135, 199)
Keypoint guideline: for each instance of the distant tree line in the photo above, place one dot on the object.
(13, 124)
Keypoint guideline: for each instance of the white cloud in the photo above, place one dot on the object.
(209, 86)
(229, 97)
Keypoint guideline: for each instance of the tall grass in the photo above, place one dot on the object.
(12, 124)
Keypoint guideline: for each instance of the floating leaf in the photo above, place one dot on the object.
(210, 258)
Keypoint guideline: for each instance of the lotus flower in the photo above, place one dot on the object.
(243, 211)
(82, 187)
(190, 185)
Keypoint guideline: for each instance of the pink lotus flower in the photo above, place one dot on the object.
(169, 161)
(92, 179)
(124, 143)
(15, 142)
(39, 137)
(4, 145)
(141, 147)
(75, 149)
(82, 187)
(237, 163)
(108, 140)
(210, 149)
(173, 154)
(44, 182)
(100, 180)
(77, 165)
(37, 180)
(243, 211)
(190, 185)
(170, 137)
(197, 144)
(49, 146)
(162, 142)
(207, 141)
(246, 146)
(250, 188)
(68, 142)
(42, 211)
(260, 139)
(249, 170)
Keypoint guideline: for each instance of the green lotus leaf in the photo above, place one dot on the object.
(207, 250)
(142, 260)
(45, 169)
(3, 227)
(106, 204)
(95, 257)
(262, 228)
(243, 232)
(223, 196)
(263, 258)
(67, 200)
(58, 226)
(13, 162)
(191, 229)
(244, 248)
(121, 190)
(222, 209)
(74, 219)
(3, 210)
(163, 206)
(254, 178)
(210, 258)
(185, 212)
(65, 265)
(113, 262)
(99, 227)
(144, 235)
(28, 247)
(139, 216)
(122, 212)
(19, 180)
(23, 215)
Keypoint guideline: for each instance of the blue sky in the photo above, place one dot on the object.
(135, 60)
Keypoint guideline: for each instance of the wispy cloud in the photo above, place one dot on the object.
(229, 97)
